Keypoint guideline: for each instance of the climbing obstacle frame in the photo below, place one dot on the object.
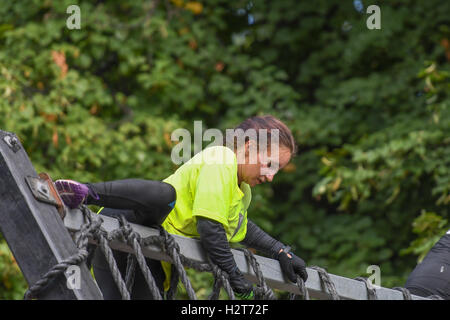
(46, 238)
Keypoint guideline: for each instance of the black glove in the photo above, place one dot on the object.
(242, 288)
(292, 265)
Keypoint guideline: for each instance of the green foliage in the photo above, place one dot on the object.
(12, 283)
(430, 228)
(368, 108)
(401, 155)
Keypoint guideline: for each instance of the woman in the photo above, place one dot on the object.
(213, 193)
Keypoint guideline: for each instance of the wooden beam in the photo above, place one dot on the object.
(34, 230)
(191, 248)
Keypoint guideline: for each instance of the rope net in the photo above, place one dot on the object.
(92, 229)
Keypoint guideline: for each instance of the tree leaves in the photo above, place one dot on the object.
(369, 110)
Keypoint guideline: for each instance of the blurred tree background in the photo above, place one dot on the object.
(369, 109)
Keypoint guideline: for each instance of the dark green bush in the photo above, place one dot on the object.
(369, 109)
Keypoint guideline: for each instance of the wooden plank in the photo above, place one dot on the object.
(191, 248)
(34, 230)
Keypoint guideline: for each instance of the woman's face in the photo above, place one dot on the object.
(264, 168)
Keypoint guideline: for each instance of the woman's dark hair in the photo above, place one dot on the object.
(269, 123)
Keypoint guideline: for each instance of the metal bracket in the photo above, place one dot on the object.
(44, 190)
(12, 143)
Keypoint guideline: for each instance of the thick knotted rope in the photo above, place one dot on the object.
(221, 279)
(81, 240)
(262, 290)
(304, 294)
(92, 229)
(405, 292)
(133, 239)
(326, 282)
(371, 292)
(173, 250)
(55, 271)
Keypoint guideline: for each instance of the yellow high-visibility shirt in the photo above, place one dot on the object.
(207, 186)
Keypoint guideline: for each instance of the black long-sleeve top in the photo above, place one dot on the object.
(214, 240)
